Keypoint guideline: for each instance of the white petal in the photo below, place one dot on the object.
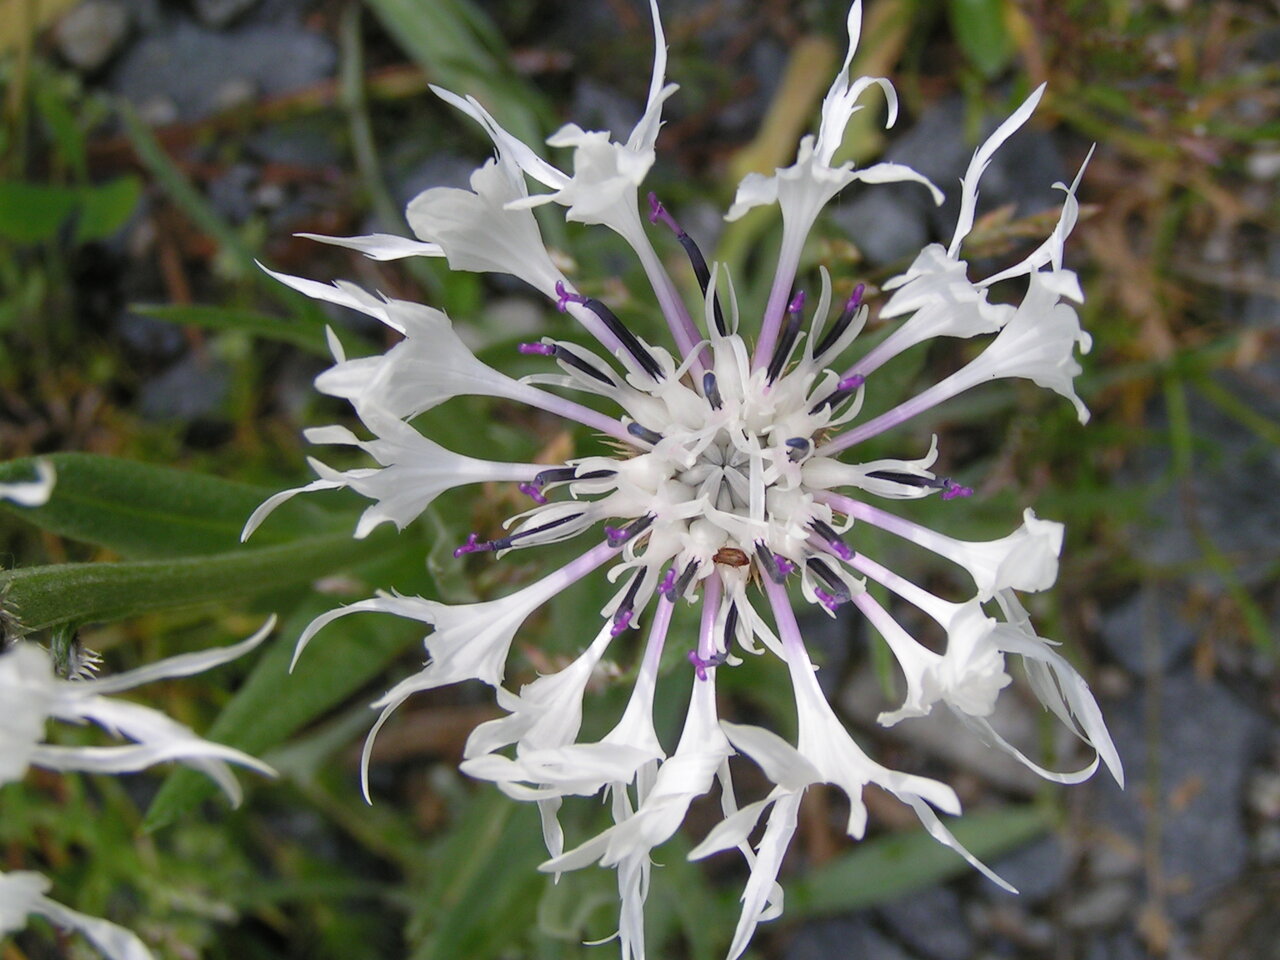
(34, 493)
(22, 894)
(381, 246)
(27, 690)
(981, 158)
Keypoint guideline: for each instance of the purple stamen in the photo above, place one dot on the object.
(472, 545)
(954, 491)
(797, 303)
(617, 536)
(532, 492)
(621, 621)
(564, 297)
(542, 349)
(837, 330)
(787, 340)
(852, 382)
(855, 298)
(832, 539)
(641, 432)
(657, 212)
(785, 566)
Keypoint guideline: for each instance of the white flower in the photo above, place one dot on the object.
(726, 479)
(23, 893)
(32, 695)
(33, 493)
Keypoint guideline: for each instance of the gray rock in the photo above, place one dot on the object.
(192, 65)
(92, 33)
(220, 13)
(1203, 741)
(191, 388)
(1038, 870)
(888, 223)
(1149, 632)
(931, 922)
(843, 938)
(1229, 495)
(1115, 946)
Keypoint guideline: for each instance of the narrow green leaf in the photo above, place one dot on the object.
(308, 336)
(456, 45)
(980, 30)
(888, 867)
(202, 213)
(274, 703)
(144, 511)
(43, 598)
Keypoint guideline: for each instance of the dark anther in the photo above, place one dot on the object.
(617, 536)
(711, 390)
(567, 356)
(776, 568)
(679, 585)
(950, 489)
(843, 391)
(626, 609)
(833, 540)
(474, 545)
(800, 448)
(658, 212)
(838, 588)
(630, 342)
(730, 625)
(787, 340)
(644, 433)
(841, 325)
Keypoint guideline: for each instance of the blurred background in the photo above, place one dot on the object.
(151, 150)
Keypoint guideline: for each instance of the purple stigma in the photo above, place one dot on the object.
(827, 600)
(564, 297)
(658, 213)
(471, 546)
(616, 536)
(954, 491)
(699, 665)
(620, 623)
(855, 298)
(531, 491)
(541, 349)
(797, 302)
(840, 549)
(851, 383)
(785, 566)
(668, 585)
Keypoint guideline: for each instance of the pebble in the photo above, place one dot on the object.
(192, 64)
(92, 33)
(1205, 740)
(220, 13)
(932, 922)
(853, 937)
(1102, 906)
(1150, 631)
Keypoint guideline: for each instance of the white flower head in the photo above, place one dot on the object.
(727, 479)
(32, 695)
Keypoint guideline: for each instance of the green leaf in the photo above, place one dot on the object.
(43, 598)
(34, 212)
(308, 336)
(143, 511)
(888, 867)
(485, 869)
(105, 208)
(458, 47)
(980, 30)
(273, 704)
